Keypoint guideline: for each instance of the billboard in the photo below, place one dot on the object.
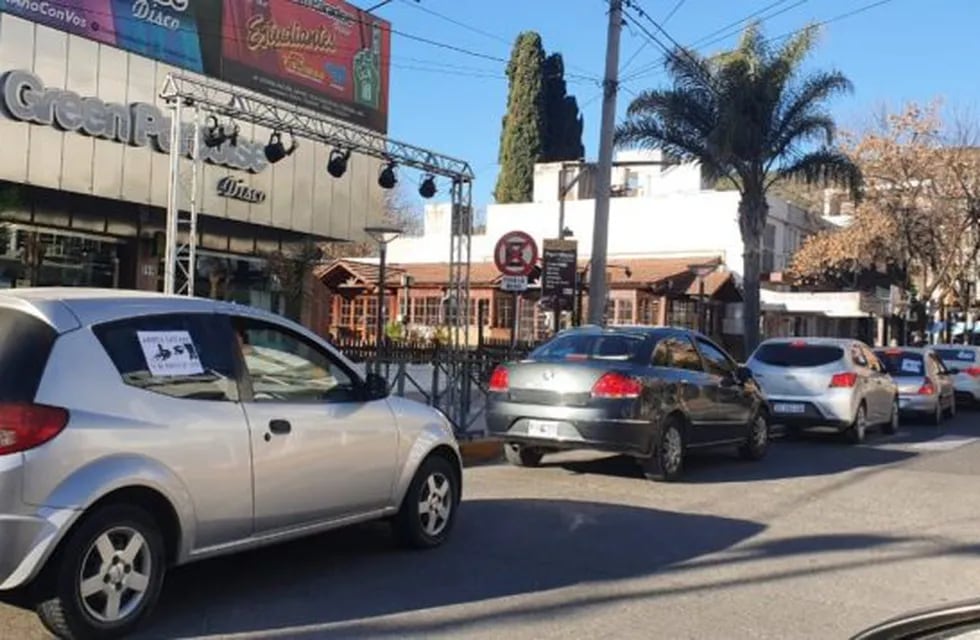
(321, 54)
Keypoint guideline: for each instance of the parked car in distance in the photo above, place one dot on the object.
(925, 386)
(140, 431)
(649, 392)
(963, 361)
(825, 382)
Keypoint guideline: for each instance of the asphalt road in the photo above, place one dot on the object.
(818, 541)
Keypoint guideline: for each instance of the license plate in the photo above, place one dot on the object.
(542, 429)
(789, 407)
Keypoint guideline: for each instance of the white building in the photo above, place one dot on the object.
(658, 211)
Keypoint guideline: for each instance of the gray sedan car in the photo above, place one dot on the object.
(652, 393)
(141, 431)
(925, 385)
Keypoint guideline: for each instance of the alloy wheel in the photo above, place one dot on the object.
(115, 574)
(435, 503)
(672, 449)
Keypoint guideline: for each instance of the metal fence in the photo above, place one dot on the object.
(454, 380)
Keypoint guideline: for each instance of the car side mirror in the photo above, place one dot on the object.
(375, 387)
(743, 374)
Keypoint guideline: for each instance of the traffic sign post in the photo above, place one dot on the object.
(515, 255)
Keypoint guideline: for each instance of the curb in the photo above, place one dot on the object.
(482, 451)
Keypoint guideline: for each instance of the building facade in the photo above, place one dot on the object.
(85, 169)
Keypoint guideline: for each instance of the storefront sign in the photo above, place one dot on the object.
(558, 271)
(325, 55)
(24, 97)
(236, 189)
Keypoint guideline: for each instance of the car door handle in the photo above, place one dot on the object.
(280, 427)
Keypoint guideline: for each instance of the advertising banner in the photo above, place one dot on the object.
(320, 54)
(324, 55)
(165, 30)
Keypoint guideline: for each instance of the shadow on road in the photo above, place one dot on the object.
(815, 454)
(500, 548)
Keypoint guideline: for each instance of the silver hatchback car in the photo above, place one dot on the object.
(141, 431)
(826, 382)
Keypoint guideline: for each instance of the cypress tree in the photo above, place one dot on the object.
(523, 132)
(563, 123)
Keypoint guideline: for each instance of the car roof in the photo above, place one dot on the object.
(68, 308)
(919, 350)
(829, 342)
(637, 329)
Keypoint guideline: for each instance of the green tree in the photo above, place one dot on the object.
(563, 122)
(522, 136)
(751, 117)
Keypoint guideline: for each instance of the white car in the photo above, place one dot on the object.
(963, 361)
(826, 382)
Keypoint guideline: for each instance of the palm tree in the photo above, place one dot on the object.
(748, 118)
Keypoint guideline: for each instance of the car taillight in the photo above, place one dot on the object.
(927, 389)
(616, 385)
(843, 380)
(500, 379)
(973, 372)
(25, 426)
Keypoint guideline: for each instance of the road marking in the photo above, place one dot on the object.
(942, 443)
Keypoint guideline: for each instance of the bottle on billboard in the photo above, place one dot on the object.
(367, 72)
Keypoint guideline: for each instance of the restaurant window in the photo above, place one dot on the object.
(623, 312)
(528, 309)
(432, 306)
(683, 313)
(346, 313)
(370, 317)
(503, 312)
(649, 311)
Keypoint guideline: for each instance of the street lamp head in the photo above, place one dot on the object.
(383, 235)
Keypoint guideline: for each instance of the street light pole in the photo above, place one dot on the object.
(381, 235)
(600, 229)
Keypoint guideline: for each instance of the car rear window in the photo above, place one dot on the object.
(902, 363)
(25, 344)
(590, 346)
(791, 354)
(957, 355)
(181, 355)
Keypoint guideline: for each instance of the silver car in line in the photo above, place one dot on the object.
(963, 362)
(140, 431)
(925, 385)
(825, 382)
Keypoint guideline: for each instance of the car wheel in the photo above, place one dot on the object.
(757, 442)
(891, 426)
(428, 510)
(522, 456)
(667, 459)
(107, 576)
(859, 430)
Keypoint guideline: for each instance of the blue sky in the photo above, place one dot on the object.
(453, 103)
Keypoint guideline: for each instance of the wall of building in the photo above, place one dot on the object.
(300, 195)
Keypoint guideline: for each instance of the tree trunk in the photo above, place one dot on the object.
(752, 213)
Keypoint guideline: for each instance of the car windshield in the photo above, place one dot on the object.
(798, 354)
(902, 363)
(590, 346)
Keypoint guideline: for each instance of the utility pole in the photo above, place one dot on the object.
(600, 231)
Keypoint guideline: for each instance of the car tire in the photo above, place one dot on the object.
(891, 427)
(116, 556)
(858, 431)
(428, 510)
(757, 441)
(666, 462)
(522, 456)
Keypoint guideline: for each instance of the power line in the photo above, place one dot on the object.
(644, 44)
(670, 14)
(415, 5)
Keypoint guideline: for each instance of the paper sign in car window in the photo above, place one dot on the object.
(170, 353)
(911, 366)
